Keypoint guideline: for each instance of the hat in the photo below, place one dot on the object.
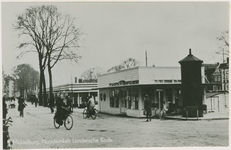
(146, 95)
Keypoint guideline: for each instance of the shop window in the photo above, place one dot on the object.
(135, 96)
(129, 99)
(116, 98)
(112, 98)
(129, 102)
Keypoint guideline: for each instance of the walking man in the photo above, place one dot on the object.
(147, 107)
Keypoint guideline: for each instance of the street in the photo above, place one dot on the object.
(36, 130)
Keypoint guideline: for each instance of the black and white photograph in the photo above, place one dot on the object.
(115, 74)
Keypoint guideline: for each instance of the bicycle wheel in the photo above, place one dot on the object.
(68, 122)
(93, 115)
(56, 124)
(84, 113)
(161, 114)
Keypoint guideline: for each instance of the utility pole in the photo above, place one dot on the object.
(146, 58)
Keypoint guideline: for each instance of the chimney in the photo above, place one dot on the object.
(76, 81)
(190, 52)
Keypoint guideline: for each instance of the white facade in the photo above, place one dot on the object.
(78, 91)
(123, 92)
(218, 103)
(127, 89)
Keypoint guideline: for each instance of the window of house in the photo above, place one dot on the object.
(218, 78)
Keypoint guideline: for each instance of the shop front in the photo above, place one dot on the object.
(78, 92)
(123, 92)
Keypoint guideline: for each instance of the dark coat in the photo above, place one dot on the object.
(21, 104)
(147, 104)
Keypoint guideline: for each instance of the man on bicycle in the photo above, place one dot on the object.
(61, 111)
(90, 104)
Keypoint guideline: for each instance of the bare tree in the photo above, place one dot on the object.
(52, 34)
(223, 44)
(27, 25)
(60, 39)
(129, 63)
(92, 74)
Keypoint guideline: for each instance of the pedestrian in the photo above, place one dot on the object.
(21, 106)
(51, 103)
(147, 107)
(35, 101)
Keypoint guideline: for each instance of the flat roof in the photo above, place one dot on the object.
(146, 85)
(141, 67)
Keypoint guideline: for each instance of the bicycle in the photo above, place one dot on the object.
(91, 114)
(162, 113)
(67, 120)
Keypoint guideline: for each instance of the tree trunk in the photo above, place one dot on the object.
(40, 86)
(51, 101)
(44, 91)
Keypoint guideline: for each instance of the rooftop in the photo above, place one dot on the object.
(190, 58)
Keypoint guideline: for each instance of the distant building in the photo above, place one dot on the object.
(77, 91)
(217, 102)
(220, 77)
(209, 78)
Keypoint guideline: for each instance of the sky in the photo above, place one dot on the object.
(116, 31)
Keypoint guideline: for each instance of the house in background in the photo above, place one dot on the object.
(220, 77)
(209, 75)
(217, 102)
(217, 98)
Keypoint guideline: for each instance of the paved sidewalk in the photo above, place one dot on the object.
(208, 116)
(36, 131)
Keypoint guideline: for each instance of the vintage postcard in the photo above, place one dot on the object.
(115, 74)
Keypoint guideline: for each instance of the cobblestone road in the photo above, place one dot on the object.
(36, 130)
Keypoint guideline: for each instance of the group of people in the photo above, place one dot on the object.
(64, 106)
(34, 100)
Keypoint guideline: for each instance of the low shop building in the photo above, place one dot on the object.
(78, 92)
(123, 92)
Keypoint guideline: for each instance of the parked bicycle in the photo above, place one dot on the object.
(67, 120)
(162, 113)
(92, 113)
(7, 144)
